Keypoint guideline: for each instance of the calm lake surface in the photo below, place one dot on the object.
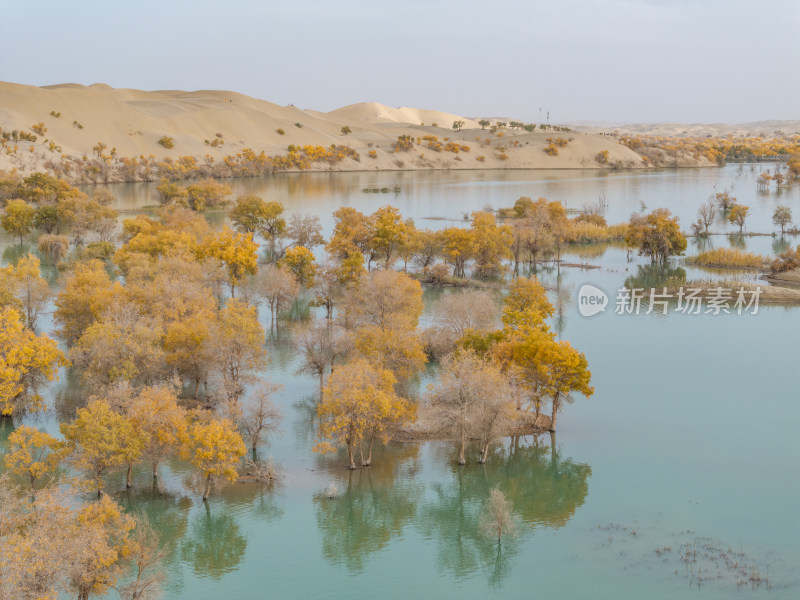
(682, 464)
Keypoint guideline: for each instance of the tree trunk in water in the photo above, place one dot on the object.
(554, 415)
(155, 470)
(368, 462)
(321, 383)
(128, 477)
(461, 459)
(484, 453)
(207, 491)
(352, 465)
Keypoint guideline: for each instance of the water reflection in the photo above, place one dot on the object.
(6, 429)
(702, 243)
(545, 488)
(13, 252)
(214, 545)
(167, 512)
(370, 509)
(780, 245)
(738, 241)
(653, 276)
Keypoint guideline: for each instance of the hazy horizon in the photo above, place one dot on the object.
(612, 61)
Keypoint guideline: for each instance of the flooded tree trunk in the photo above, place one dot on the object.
(352, 465)
(155, 470)
(368, 461)
(554, 415)
(461, 458)
(128, 476)
(484, 453)
(207, 490)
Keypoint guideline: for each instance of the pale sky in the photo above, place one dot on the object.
(604, 60)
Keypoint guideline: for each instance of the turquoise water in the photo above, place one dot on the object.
(689, 443)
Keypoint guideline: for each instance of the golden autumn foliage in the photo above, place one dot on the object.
(237, 344)
(250, 213)
(387, 300)
(87, 293)
(352, 232)
(103, 528)
(124, 346)
(358, 405)
(215, 448)
(300, 261)
(26, 286)
(33, 454)
(399, 350)
(716, 150)
(457, 247)
(17, 218)
(236, 251)
(526, 305)
(102, 441)
(491, 244)
(155, 412)
(26, 362)
(738, 214)
(562, 371)
(656, 235)
(57, 547)
(389, 234)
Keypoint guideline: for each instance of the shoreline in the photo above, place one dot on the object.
(528, 424)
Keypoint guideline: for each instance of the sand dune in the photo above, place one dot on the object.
(766, 128)
(132, 121)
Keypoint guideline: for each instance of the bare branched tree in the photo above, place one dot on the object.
(472, 400)
(260, 418)
(497, 520)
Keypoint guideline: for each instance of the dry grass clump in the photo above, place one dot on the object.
(770, 294)
(728, 258)
(786, 261)
(55, 247)
(583, 232)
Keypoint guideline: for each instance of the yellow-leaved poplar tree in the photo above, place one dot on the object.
(215, 448)
(236, 251)
(26, 362)
(358, 404)
(33, 454)
(102, 441)
(155, 412)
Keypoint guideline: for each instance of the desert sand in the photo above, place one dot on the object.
(765, 128)
(132, 121)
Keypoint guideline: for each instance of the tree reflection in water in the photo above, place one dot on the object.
(371, 507)
(655, 276)
(374, 505)
(215, 545)
(545, 489)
